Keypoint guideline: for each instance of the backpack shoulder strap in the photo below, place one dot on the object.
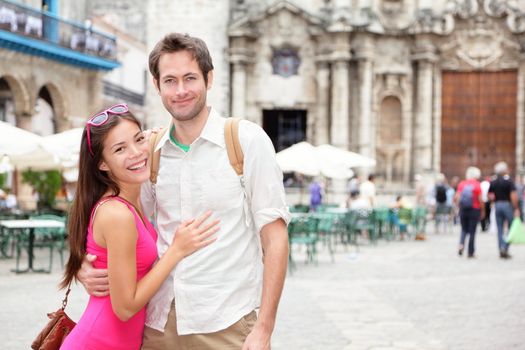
(155, 155)
(233, 146)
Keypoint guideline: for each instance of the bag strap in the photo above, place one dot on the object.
(233, 146)
(64, 302)
(154, 140)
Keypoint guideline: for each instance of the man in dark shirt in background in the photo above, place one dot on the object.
(502, 192)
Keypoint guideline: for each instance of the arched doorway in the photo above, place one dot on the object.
(44, 120)
(7, 103)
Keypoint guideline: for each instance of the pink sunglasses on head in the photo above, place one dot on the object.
(102, 118)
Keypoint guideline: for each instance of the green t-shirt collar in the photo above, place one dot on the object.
(185, 148)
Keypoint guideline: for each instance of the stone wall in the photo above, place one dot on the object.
(76, 93)
(206, 19)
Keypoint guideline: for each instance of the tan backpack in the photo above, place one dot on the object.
(233, 147)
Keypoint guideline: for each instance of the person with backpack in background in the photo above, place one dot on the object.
(468, 198)
(502, 192)
(209, 301)
(442, 208)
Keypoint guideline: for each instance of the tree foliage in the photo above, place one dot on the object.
(45, 183)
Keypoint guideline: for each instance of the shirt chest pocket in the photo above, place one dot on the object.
(221, 189)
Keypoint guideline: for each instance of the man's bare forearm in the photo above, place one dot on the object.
(274, 239)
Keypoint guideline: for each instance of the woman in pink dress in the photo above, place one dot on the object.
(106, 220)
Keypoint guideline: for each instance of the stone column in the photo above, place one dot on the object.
(437, 120)
(423, 135)
(366, 121)
(321, 124)
(95, 92)
(239, 89)
(24, 192)
(339, 130)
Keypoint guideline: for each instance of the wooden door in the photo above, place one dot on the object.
(478, 126)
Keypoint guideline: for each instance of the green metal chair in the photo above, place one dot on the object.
(362, 220)
(303, 231)
(327, 230)
(383, 225)
(299, 208)
(404, 221)
(326, 207)
(7, 241)
(345, 229)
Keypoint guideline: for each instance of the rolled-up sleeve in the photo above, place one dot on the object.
(263, 176)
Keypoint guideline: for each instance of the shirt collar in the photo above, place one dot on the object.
(165, 136)
(213, 130)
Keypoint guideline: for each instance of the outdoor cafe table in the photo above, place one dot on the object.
(30, 225)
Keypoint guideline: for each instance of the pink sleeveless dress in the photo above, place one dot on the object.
(99, 328)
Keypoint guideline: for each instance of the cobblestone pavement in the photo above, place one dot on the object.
(395, 295)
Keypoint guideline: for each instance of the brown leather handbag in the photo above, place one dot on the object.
(56, 330)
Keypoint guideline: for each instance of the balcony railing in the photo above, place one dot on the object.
(29, 22)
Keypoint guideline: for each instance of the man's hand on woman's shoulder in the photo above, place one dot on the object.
(95, 281)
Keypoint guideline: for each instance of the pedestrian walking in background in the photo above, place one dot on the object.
(485, 222)
(468, 199)
(502, 192)
(442, 208)
(454, 182)
(316, 194)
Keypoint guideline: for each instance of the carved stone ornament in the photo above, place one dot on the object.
(479, 47)
(466, 8)
(285, 62)
(428, 21)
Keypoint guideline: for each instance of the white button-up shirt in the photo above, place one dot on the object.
(217, 285)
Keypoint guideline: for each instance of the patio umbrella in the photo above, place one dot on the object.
(65, 144)
(15, 141)
(337, 173)
(339, 156)
(326, 160)
(25, 149)
(38, 160)
(300, 158)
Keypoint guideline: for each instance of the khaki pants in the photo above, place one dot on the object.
(230, 338)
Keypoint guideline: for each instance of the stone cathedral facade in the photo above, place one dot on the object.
(422, 86)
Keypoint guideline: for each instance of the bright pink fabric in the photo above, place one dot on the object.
(99, 328)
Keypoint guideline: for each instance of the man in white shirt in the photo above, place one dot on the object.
(209, 300)
(367, 190)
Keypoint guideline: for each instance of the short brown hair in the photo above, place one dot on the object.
(175, 42)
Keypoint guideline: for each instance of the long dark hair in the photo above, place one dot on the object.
(91, 186)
